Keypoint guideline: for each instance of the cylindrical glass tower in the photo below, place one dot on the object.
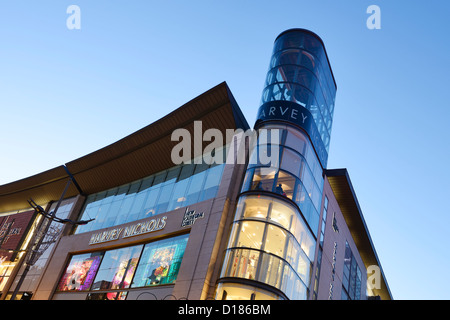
(274, 233)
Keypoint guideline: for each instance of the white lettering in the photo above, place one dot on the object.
(129, 231)
(294, 114)
(206, 311)
(283, 112)
(374, 280)
(374, 21)
(184, 146)
(190, 216)
(73, 21)
(215, 146)
(304, 117)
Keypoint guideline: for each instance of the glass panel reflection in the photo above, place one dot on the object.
(160, 262)
(271, 243)
(80, 272)
(156, 263)
(177, 187)
(117, 268)
(267, 268)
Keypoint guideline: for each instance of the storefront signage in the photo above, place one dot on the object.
(190, 216)
(129, 231)
(299, 115)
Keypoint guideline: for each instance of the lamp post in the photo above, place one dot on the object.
(45, 235)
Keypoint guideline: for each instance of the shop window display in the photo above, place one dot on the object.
(80, 272)
(153, 264)
(160, 262)
(117, 268)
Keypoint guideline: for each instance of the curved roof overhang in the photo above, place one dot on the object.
(140, 154)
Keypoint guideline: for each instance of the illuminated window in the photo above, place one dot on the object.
(80, 272)
(160, 262)
(117, 268)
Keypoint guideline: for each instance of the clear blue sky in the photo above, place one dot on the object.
(65, 93)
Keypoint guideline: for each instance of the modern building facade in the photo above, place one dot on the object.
(278, 225)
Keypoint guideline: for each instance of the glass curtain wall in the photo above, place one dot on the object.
(298, 177)
(276, 226)
(299, 72)
(165, 191)
(270, 243)
(351, 280)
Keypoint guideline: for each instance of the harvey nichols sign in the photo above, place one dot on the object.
(148, 226)
(298, 115)
(129, 231)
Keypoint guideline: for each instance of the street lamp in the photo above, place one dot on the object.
(45, 235)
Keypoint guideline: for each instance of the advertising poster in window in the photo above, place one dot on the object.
(160, 262)
(80, 273)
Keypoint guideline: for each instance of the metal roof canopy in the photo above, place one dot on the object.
(342, 187)
(138, 155)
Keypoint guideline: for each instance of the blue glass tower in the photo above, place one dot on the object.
(272, 243)
(300, 78)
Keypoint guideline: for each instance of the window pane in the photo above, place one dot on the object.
(186, 172)
(263, 179)
(304, 237)
(242, 263)
(296, 141)
(117, 268)
(149, 208)
(101, 216)
(112, 214)
(178, 198)
(276, 241)
(250, 235)
(256, 207)
(195, 187)
(291, 162)
(273, 268)
(92, 212)
(124, 210)
(160, 262)
(172, 175)
(212, 182)
(80, 272)
(301, 198)
(285, 184)
(282, 214)
(164, 197)
(246, 185)
(303, 267)
(136, 209)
